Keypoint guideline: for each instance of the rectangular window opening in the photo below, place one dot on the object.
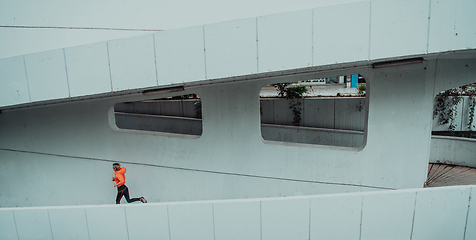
(177, 115)
(325, 111)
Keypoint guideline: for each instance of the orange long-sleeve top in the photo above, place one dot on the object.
(119, 177)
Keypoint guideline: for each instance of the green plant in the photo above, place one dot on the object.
(446, 104)
(292, 94)
(472, 105)
(295, 105)
(362, 88)
(295, 92)
(281, 88)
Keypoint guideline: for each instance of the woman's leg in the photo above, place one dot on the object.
(126, 195)
(120, 193)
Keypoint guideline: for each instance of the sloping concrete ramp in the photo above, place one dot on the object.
(366, 32)
(432, 213)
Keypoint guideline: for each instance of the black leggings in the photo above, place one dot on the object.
(124, 191)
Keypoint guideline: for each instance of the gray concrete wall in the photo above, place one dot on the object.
(330, 113)
(178, 108)
(281, 133)
(453, 150)
(166, 124)
(333, 113)
(306, 135)
(66, 150)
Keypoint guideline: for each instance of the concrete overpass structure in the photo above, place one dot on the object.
(59, 137)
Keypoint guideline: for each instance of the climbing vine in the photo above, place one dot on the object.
(293, 94)
(446, 103)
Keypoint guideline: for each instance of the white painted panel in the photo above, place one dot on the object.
(285, 219)
(191, 221)
(88, 69)
(230, 48)
(398, 28)
(285, 41)
(132, 62)
(336, 217)
(471, 223)
(68, 223)
(180, 55)
(7, 226)
(341, 33)
(441, 213)
(107, 223)
(389, 214)
(237, 220)
(452, 25)
(33, 224)
(147, 222)
(46, 74)
(13, 82)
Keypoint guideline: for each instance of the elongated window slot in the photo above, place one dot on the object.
(325, 111)
(397, 62)
(163, 90)
(178, 115)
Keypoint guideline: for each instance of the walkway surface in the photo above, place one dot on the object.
(440, 175)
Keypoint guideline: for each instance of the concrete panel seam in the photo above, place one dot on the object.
(334, 121)
(260, 220)
(370, 28)
(310, 204)
(109, 65)
(168, 222)
(15, 221)
(49, 219)
(213, 221)
(26, 75)
(127, 226)
(428, 32)
(204, 52)
(312, 38)
(257, 45)
(155, 60)
(66, 71)
(361, 214)
(462, 114)
(467, 213)
(435, 79)
(413, 218)
(87, 225)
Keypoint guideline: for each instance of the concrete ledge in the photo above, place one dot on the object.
(408, 213)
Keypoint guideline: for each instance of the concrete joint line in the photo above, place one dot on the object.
(413, 219)
(205, 171)
(467, 213)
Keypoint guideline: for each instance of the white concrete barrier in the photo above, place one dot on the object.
(431, 213)
(240, 48)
